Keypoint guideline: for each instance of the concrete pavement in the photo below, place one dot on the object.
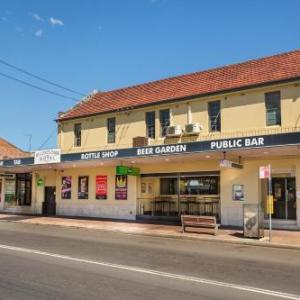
(49, 262)
(280, 238)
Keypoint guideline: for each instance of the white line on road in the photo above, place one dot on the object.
(157, 273)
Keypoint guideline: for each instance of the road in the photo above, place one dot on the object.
(49, 262)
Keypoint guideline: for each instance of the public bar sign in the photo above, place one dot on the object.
(230, 144)
(49, 156)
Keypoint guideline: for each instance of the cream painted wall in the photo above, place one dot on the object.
(110, 208)
(241, 113)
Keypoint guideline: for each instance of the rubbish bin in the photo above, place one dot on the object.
(253, 221)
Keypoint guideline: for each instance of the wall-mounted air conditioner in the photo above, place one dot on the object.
(174, 131)
(193, 129)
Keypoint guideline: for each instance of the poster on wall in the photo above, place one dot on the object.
(121, 187)
(66, 187)
(101, 187)
(83, 187)
(238, 192)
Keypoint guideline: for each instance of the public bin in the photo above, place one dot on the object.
(253, 221)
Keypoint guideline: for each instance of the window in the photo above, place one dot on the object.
(199, 185)
(273, 111)
(111, 130)
(164, 118)
(214, 112)
(150, 124)
(190, 185)
(77, 135)
(168, 186)
(18, 190)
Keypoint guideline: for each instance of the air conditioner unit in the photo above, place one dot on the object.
(174, 131)
(193, 129)
(140, 141)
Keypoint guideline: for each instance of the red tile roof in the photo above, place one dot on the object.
(265, 70)
(8, 150)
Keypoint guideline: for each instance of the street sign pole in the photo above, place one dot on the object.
(269, 203)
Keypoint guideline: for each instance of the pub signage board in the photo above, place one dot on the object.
(201, 146)
(281, 139)
(124, 170)
(48, 156)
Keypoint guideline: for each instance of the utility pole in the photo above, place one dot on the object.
(29, 141)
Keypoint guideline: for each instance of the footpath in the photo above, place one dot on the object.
(280, 238)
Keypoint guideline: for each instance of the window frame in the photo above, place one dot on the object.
(150, 128)
(164, 125)
(77, 138)
(269, 97)
(111, 135)
(217, 117)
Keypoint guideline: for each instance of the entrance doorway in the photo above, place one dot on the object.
(284, 193)
(49, 204)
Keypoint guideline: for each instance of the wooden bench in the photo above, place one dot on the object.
(199, 221)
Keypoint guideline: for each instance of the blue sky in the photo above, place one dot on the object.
(94, 44)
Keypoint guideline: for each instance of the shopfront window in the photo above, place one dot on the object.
(173, 194)
(168, 186)
(199, 185)
(18, 191)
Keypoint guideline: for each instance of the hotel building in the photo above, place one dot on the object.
(191, 144)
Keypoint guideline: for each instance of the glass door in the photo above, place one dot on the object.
(284, 193)
(291, 198)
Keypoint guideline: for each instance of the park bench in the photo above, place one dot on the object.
(199, 222)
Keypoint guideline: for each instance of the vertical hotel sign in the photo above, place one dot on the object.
(101, 187)
(121, 187)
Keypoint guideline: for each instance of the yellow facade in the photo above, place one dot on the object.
(242, 113)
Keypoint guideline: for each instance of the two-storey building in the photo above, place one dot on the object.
(188, 144)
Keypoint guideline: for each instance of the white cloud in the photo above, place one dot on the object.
(39, 33)
(37, 17)
(56, 22)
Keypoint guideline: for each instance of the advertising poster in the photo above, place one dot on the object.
(101, 187)
(238, 192)
(83, 187)
(121, 187)
(66, 187)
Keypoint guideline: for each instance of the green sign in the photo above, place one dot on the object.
(123, 170)
(40, 182)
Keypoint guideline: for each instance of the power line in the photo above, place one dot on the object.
(37, 87)
(39, 78)
(47, 139)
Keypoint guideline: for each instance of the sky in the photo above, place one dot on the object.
(93, 44)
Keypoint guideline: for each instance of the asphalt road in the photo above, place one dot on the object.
(49, 262)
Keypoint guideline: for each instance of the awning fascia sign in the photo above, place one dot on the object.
(251, 142)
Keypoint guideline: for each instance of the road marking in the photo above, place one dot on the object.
(157, 273)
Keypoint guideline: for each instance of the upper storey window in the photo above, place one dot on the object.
(111, 130)
(164, 118)
(77, 135)
(214, 113)
(150, 124)
(273, 111)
